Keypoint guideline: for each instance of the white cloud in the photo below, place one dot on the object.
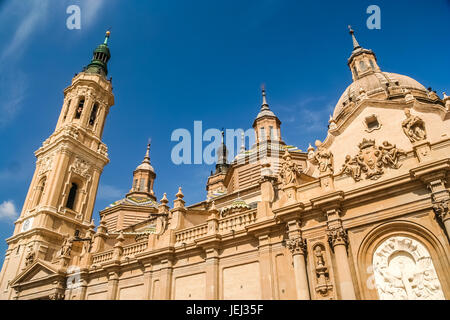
(8, 210)
(108, 192)
(90, 9)
(34, 12)
(12, 95)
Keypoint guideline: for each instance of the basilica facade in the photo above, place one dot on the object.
(360, 215)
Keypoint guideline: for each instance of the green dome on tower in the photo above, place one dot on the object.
(101, 56)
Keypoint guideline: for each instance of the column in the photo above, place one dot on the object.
(113, 283)
(337, 237)
(166, 279)
(212, 274)
(265, 265)
(147, 281)
(297, 246)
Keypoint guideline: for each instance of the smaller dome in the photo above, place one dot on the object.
(265, 111)
(145, 166)
(374, 85)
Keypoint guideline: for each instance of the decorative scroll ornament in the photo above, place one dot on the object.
(103, 149)
(296, 246)
(414, 127)
(322, 274)
(337, 236)
(323, 159)
(441, 210)
(404, 270)
(70, 131)
(372, 160)
(289, 170)
(81, 167)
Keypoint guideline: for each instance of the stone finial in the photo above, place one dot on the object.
(179, 194)
(179, 202)
(163, 207)
(102, 227)
(310, 148)
(445, 96)
(120, 238)
(164, 199)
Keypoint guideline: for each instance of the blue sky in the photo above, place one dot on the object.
(175, 62)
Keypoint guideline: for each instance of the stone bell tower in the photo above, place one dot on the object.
(61, 196)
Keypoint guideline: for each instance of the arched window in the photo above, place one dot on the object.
(362, 66)
(67, 110)
(79, 109)
(93, 115)
(72, 195)
(371, 64)
(262, 134)
(40, 191)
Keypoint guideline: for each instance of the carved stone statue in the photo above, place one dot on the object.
(289, 170)
(323, 158)
(66, 247)
(30, 257)
(390, 155)
(322, 274)
(413, 127)
(352, 168)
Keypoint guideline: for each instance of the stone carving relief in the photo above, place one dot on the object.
(322, 275)
(103, 149)
(289, 170)
(71, 131)
(81, 167)
(56, 296)
(322, 158)
(46, 164)
(414, 127)
(404, 270)
(372, 160)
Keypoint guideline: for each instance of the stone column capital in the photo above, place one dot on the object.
(337, 236)
(441, 210)
(296, 246)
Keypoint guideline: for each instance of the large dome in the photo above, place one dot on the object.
(374, 86)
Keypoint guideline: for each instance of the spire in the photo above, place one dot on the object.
(101, 56)
(265, 110)
(264, 103)
(355, 42)
(222, 155)
(147, 154)
(108, 33)
(145, 164)
(242, 142)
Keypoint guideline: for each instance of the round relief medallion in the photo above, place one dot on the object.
(403, 270)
